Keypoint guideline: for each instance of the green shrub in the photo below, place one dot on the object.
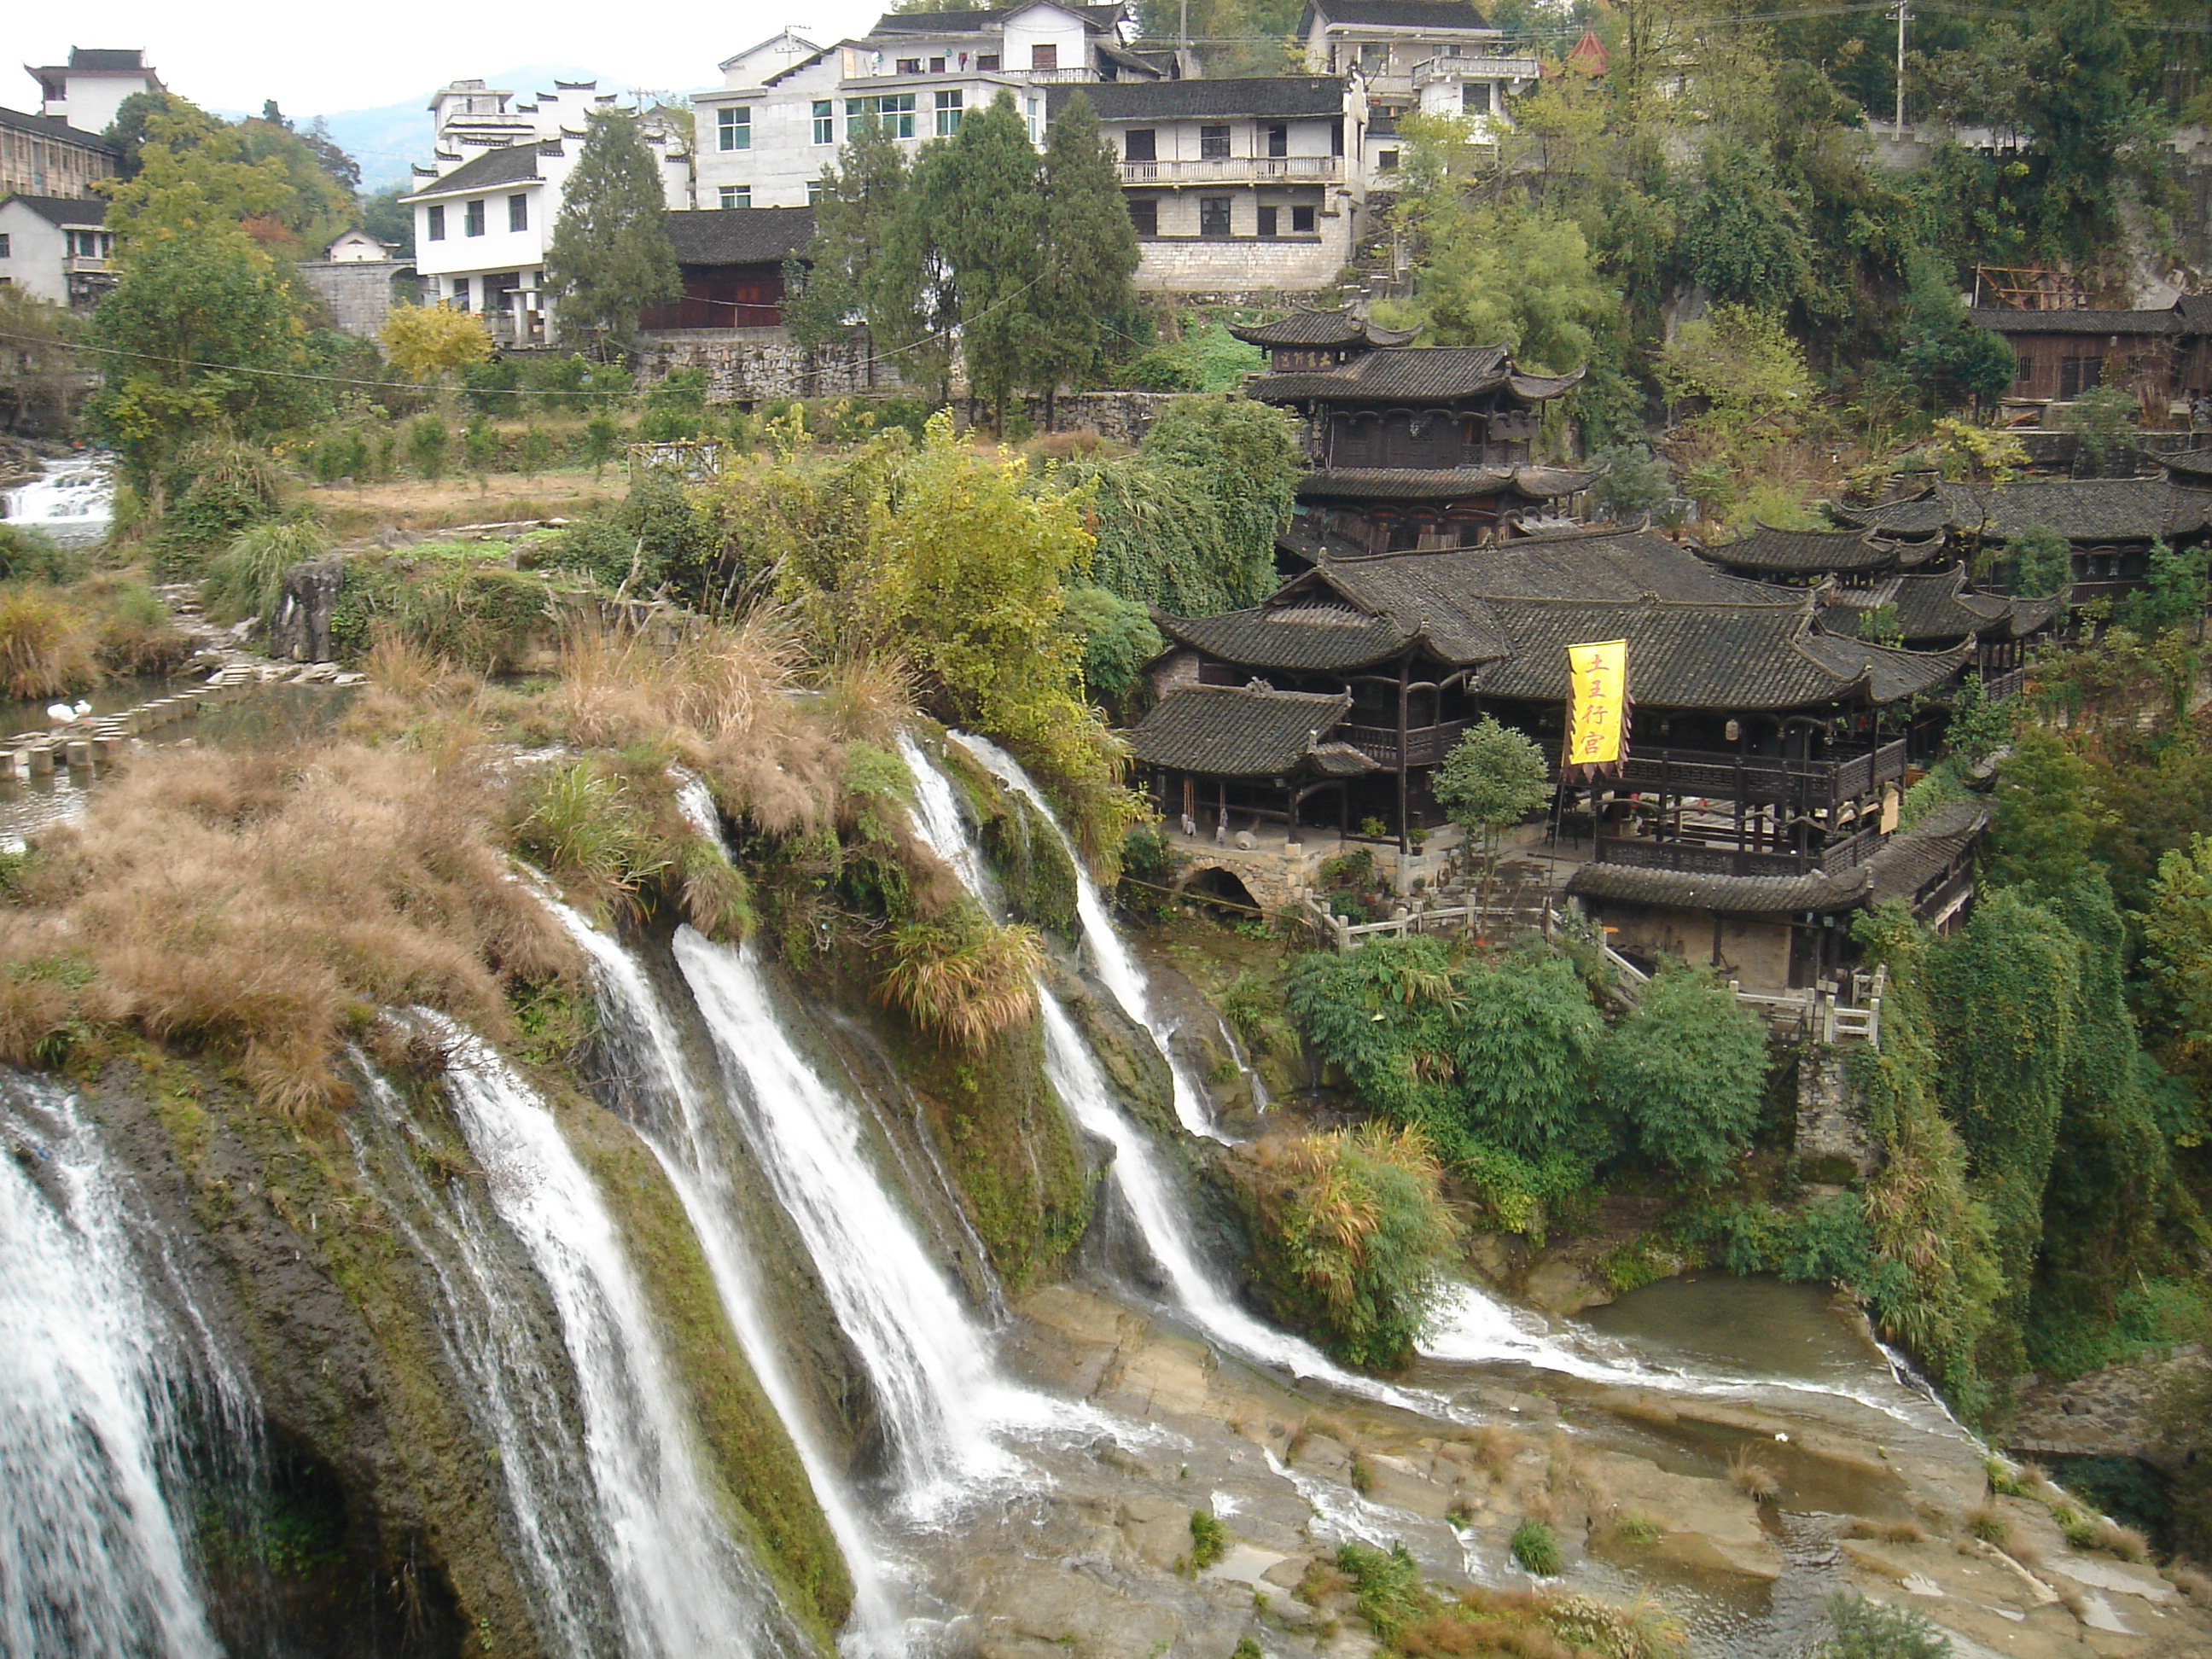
(1385, 1585)
(536, 451)
(1536, 1547)
(1525, 1048)
(602, 440)
(27, 555)
(1868, 1629)
(1686, 1069)
(1209, 1541)
(216, 488)
(486, 387)
(480, 445)
(1352, 1240)
(245, 579)
(584, 826)
(428, 446)
(1118, 640)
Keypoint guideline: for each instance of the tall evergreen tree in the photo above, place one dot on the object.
(984, 211)
(611, 256)
(1090, 252)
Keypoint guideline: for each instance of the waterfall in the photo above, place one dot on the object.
(683, 1136)
(516, 1391)
(928, 1360)
(683, 1584)
(1117, 969)
(101, 1385)
(71, 503)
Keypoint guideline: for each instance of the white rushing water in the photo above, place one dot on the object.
(643, 1040)
(73, 502)
(1117, 968)
(514, 1394)
(929, 1362)
(95, 1382)
(683, 1584)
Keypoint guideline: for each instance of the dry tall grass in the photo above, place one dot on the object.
(47, 646)
(962, 977)
(264, 903)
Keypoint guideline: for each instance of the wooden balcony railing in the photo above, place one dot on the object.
(1706, 858)
(1719, 775)
(1425, 745)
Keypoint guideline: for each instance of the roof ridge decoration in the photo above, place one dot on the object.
(1315, 326)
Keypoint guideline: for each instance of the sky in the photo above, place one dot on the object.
(232, 54)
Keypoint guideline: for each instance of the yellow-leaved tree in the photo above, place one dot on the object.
(424, 342)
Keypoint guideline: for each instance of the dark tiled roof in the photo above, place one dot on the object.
(738, 236)
(64, 210)
(1307, 636)
(1235, 733)
(59, 132)
(1323, 328)
(1538, 484)
(2195, 311)
(1401, 13)
(2083, 509)
(1303, 540)
(1735, 896)
(1273, 97)
(1924, 514)
(107, 57)
(1904, 865)
(1617, 564)
(1417, 373)
(2192, 467)
(2005, 321)
(1935, 607)
(1803, 552)
(513, 164)
(969, 23)
(1707, 656)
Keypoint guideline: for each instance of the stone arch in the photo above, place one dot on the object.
(1219, 882)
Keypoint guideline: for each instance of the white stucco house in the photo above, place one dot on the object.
(56, 248)
(88, 90)
(1439, 56)
(484, 210)
(781, 114)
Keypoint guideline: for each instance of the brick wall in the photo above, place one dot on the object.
(746, 364)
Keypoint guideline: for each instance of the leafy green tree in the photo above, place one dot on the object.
(2041, 561)
(205, 334)
(2178, 949)
(610, 256)
(1244, 456)
(1687, 1067)
(2103, 422)
(2079, 102)
(1525, 1046)
(868, 258)
(428, 446)
(979, 195)
(1118, 640)
(1090, 254)
(382, 217)
(1940, 347)
(1743, 236)
(2044, 817)
(1635, 482)
(425, 342)
(1750, 374)
(1493, 778)
(2174, 594)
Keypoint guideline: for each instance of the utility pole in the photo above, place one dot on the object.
(1904, 16)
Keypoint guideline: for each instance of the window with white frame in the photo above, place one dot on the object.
(472, 218)
(734, 127)
(825, 122)
(737, 195)
(518, 212)
(948, 113)
(814, 192)
(894, 109)
(433, 222)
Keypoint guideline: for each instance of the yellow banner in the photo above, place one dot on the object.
(1596, 700)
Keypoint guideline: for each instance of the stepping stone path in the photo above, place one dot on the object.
(230, 672)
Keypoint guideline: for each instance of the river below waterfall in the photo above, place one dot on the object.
(72, 502)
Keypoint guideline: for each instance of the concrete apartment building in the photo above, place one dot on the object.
(484, 211)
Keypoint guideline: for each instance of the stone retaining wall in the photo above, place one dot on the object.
(748, 365)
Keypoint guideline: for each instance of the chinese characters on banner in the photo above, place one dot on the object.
(1597, 708)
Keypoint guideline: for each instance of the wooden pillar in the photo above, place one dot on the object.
(1404, 674)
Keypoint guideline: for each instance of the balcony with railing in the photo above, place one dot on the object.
(1425, 745)
(1058, 77)
(1237, 170)
(1804, 784)
(1430, 70)
(1695, 855)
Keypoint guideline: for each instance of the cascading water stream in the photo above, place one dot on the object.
(98, 1380)
(72, 502)
(928, 1361)
(514, 1389)
(1473, 1326)
(1117, 969)
(682, 1137)
(683, 1584)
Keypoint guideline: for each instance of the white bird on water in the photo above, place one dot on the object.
(62, 712)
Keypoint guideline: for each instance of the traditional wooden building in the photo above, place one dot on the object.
(1409, 448)
(1760, 741)
(1909, 591)
(732, 263)
(2110, 522)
